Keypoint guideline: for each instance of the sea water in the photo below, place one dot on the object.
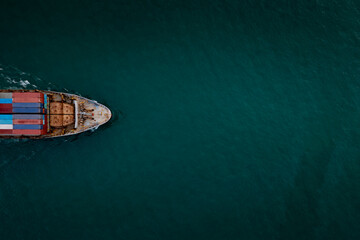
(232, 120)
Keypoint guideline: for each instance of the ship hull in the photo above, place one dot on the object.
(77, 115)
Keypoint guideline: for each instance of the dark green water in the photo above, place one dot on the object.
(232, 120)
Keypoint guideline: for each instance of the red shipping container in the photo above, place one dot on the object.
(28, 100)
(6, 131)
(28, 121)
(45, 126)
(27, 95)
(26, 132)
(5, 105)
(5, 110)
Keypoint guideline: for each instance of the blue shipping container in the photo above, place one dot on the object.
(6, 100)
(27, 110)
(6, 116)
(27, 126)
(6, 121)
(45, 100)
(28, 105)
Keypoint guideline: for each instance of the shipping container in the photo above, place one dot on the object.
(27, 126)
(6, 100)
(6, 116)
(45, 100)
(28, 100)
(5, 95)
(26, 132)
(27, 116)
(6, 121)
(5, 131)
(6, 126)
(45, 125)
(5, 110)
(27, 110)
(27, 95)
(27, 121)
(2, 105)
(28, 105)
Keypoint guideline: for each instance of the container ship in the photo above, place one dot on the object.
(37, 114)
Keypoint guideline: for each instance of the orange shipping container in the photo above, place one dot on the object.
(27, 95)
(28, 100)
(26, 132)
(28, 121)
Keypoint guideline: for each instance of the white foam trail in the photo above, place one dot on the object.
(24, 83)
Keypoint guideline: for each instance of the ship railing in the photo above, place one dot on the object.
(76, 113)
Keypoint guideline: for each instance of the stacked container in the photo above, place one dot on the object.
(22, 113)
